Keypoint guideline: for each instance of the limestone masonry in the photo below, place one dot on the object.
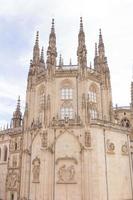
(70, 144)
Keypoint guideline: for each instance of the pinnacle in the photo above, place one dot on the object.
(37, 38)
(81, 24)
(100, 37)
(18, 104)
(95, 49)
(53, 28)
(42, 55)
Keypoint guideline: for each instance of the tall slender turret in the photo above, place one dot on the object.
(81, 51)
(51, 52)
(36, 51)
(17, 116)
(101, 46)
(42, 56)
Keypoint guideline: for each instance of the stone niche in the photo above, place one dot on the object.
(67, 167)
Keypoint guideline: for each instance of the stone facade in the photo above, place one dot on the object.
(70, 143)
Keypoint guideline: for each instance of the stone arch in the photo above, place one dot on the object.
(66, 83)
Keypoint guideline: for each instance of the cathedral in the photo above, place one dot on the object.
(70, 143)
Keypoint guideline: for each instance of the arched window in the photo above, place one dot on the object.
(5, 153)
(66, 93)
(66, 89)
(92, 94)
(16, 146)
(125, 122)
(93, 113)
(66, 112)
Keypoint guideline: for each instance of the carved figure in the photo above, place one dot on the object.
(36, 170)
(87, 139)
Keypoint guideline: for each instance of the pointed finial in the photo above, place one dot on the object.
(42, 56)
(52, 28)
(95, 49)
(90, 65)
(60, 60)
(18, 104)
(100, 36)
(37, 38)
(70, 62)
(81, 24)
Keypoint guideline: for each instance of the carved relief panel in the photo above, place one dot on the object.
(12, 180)
(66, 170)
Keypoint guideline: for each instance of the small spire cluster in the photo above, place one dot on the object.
(17, 115)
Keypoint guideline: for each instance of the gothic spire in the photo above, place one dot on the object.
(42, 56)
(81, 52)
(17, 115)
(51, 52)
(81, 25)
(36, 50)
(96, 53)
(101, 45)
(60, 61)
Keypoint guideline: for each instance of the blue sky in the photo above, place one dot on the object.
(20, 19)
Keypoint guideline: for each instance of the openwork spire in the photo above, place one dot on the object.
(42, 56)
(96, 50)
(37, 39)
(60, 61)
(18, 105)
(101, 45)
(52, 52)
(52, 28)
(81, 51)
(17, 115)
(81, 24)
(36, 50)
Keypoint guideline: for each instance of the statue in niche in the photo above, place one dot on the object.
(36, 169)
(87, 139)
(66, 174)
(14, 161)
(44, 139)
(12, 180)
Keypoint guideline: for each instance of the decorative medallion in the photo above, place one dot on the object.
(110, 147)
(124, 149)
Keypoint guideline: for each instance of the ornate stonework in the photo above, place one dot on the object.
(70, 143)
(110, 147)
(66, 174)
(36, 170)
